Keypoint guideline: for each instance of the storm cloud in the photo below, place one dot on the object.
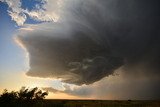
(76, 58)
(123, 86)
(94, 38)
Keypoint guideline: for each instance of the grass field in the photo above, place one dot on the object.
(86, 103)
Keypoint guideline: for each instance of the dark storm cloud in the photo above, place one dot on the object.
(94, 38)
(74, 59)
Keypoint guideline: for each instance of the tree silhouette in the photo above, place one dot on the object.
(30, 95)
(8, 96)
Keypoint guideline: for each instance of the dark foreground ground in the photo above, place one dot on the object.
(84, 103)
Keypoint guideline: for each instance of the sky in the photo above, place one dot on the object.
(81, 49)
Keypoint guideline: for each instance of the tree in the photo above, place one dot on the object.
(23, 95)
(8, 96)
(31, 94)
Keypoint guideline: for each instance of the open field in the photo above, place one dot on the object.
(87, 103)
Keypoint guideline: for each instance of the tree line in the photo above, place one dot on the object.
(24, 95)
